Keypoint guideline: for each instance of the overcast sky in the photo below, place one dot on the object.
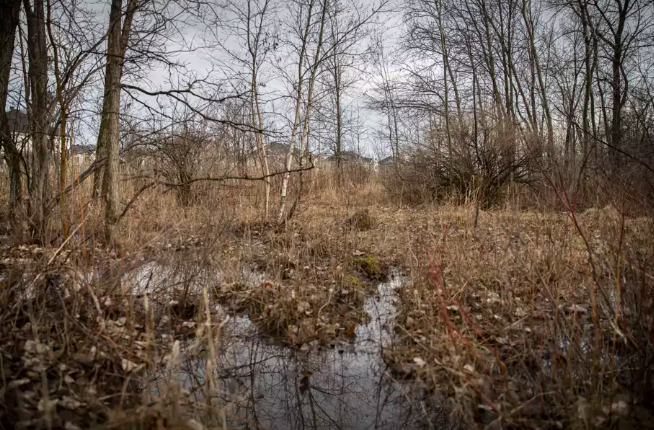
(188, 44)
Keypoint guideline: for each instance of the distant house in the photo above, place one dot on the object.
(19, 129)
(350, 157)
(82, 153)
(21, 132)
(354, 162)
(82, 149)
(386, 161)
(19, 124)
(276, 153)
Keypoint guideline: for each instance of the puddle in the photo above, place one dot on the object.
(262, 385)
(153, 277)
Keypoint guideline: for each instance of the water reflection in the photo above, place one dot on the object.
(261, 385)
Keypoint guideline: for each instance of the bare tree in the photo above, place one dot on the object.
(344, 65)
(9, 13)
(257, 51)
(305, 16)
(40, 110)
(385, 97)
(252, 22)
(621, 24)
(108, 145)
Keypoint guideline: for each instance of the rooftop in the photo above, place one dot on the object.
(18, 121)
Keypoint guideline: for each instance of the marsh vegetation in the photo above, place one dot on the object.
(326, 214)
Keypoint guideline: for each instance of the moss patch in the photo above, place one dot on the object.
(371, 267)
(353, 281)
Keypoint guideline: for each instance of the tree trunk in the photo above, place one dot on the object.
(307, 114)
(108, 134)
(9, 13)
(108, 143)
(338, 150)
(446, 92)
(62, 129)
(257, 119)
(40, 121)
(529, 24)
(448, 67)
(617, 96)
(296, 122)
(488, 48)
(588, 81)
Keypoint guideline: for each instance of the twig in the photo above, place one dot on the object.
(133, 199)
(242, 178)
(66, 241)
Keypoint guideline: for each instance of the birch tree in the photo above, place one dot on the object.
(255, 41)
(305, 15)
(253, 24)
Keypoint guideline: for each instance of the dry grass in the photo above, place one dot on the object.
(84, 326)
(528, 320)
(521, 328)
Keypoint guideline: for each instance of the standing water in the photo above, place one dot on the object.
(263, 385)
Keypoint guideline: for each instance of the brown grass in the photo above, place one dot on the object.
(521, 328)
(531, 319)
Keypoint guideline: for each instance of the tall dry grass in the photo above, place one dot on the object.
(534, 320)
(523, 318)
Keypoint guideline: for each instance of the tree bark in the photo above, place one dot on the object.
(108, 143)
(257, 119)
(296, 121)
(40, 121)
(9, 13)
(62, 130)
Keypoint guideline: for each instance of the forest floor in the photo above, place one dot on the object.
(524, 319)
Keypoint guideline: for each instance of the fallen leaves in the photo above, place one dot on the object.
(36, 347)
(419, 361)
(130, 366)
(514, 308)
(18, 383)
(70, 403)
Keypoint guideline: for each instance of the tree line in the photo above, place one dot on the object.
(466, 96)
(494, 91)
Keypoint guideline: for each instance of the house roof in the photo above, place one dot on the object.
(350, 156)
(82, 149)
(19, 122)
(277, 148)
